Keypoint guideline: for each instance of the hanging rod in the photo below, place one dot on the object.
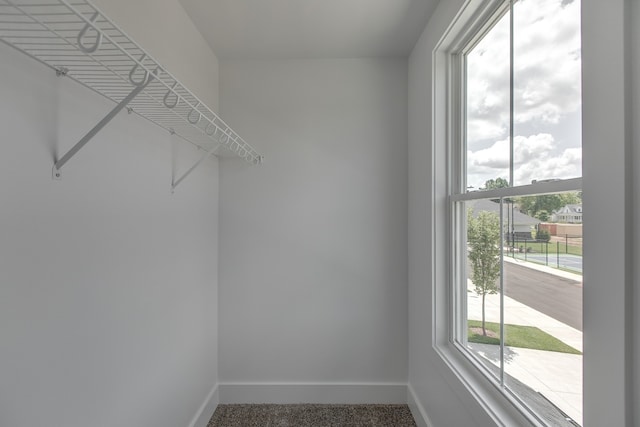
(78, 41)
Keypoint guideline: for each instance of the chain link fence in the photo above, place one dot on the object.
(563, 252)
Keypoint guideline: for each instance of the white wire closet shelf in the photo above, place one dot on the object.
(79, 41)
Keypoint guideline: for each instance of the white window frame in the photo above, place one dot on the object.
(458, 193)
(504, 407)
(608, 394)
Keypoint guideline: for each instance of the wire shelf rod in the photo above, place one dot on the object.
(64, 38)
(142, 65)
(77, 40)
(193, 107)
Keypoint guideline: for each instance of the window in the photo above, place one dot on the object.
(515, 160)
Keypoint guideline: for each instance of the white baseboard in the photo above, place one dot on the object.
(206, 410)
(320, 393)
(417, 410)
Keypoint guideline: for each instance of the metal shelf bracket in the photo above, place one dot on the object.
(204, 157)
(102, 123)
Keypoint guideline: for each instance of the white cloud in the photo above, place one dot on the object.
(546, 67)
(535, 157)
(549, 166)
(494, 157)
(546, 94)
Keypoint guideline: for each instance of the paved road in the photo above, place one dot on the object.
(554, 296)
(568, 261)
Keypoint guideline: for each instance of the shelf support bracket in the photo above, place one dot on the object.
(72, 152)
(192, 168)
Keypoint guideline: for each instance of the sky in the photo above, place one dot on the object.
(547, 96)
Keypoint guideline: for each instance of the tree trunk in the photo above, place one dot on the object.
(484, 330)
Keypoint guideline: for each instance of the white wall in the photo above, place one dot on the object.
(434, 391)
(445, 398)
(108, 283)
(313, 285)
(607, 310)
(635, 113)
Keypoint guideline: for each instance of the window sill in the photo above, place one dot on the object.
(503, 410)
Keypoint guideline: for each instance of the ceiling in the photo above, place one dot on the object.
(286, 29)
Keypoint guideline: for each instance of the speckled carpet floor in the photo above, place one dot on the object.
(312, 416)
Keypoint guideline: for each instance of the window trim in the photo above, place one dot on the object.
(448, 103)
(562, 186)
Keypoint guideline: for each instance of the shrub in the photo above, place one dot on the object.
(543, 235)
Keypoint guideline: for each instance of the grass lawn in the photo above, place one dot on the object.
(519, 336)
(553, 247)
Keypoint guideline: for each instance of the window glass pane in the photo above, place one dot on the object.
(487, 107)
(519, 266)
(481, 281)
(547, 95)
(522, 295)
(543, 304)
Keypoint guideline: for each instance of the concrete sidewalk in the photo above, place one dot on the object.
(558, 376)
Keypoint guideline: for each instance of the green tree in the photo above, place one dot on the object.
(496, 183)
(543, 215)
(543, 235)
(532, 205)
(483, 239)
